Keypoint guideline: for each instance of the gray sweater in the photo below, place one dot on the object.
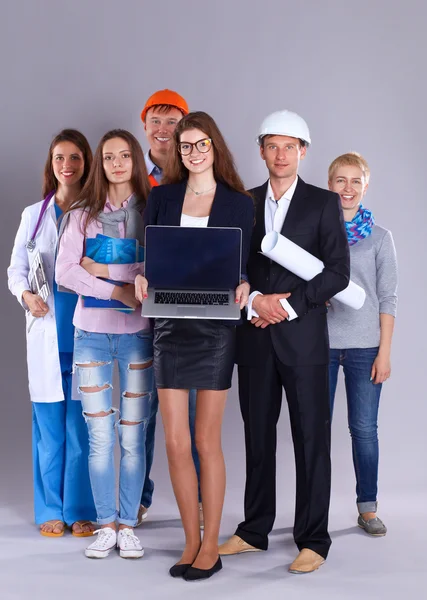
(373, 266)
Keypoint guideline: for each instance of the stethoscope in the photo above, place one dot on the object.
(31, 244)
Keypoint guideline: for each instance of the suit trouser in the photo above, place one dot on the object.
(307, 393)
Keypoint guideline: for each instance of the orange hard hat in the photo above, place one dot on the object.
(165, 97)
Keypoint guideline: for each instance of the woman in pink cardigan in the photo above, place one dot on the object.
(111, 204)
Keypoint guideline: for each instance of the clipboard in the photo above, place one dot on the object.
(38, 282)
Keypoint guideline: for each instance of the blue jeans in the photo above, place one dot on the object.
(363, 397)
(148, 488)
(60, 453)
(94, 355)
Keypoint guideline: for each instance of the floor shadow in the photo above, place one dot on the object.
(334, 534)
(160, 523)
(285, 531)
(355, 530)
(174, 555)
(282, 531)
(276, 573)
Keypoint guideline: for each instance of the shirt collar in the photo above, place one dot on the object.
(152, 168)
(286, 196)
(111, 207)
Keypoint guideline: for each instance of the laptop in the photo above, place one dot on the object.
(192, 272)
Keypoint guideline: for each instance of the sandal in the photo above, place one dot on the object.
(52, 533)
(82, 534)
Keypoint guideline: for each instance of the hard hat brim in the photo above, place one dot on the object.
(259, 138)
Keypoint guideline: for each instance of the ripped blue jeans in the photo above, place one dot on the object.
(94, 356)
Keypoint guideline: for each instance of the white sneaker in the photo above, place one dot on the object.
(107, 540)
(128, 544)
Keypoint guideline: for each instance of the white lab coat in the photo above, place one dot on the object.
(44, 371)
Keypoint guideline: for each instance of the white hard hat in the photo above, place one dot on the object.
(284, 122)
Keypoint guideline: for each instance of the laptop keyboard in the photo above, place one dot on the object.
(191, 298)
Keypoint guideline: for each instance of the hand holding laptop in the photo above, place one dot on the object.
(242, 294)
(192, 273)
(141, 291)
(141, 288)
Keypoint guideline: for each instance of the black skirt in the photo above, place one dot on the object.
(193, 354)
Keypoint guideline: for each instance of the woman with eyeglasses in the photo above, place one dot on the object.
(203, 189)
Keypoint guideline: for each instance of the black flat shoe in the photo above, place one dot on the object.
(194, 574)
(179, 570)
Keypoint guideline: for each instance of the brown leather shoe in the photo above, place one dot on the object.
(142, 515)
(235, 545)
(307, 561)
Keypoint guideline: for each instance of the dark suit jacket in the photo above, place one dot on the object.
(229, 209)
(314, 221)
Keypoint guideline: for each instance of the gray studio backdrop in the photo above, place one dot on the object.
(353, 70)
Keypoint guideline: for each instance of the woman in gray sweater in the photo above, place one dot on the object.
(360, 340)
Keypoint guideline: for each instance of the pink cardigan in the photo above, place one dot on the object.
(71, 275)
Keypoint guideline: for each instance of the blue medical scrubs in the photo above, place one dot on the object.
(62, 488)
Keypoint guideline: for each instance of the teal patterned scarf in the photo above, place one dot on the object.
(360, 227)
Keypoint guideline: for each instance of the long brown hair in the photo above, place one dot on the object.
(94, 193)
(50, 183)
(224, 168)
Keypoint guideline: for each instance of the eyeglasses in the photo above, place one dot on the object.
(203, 146)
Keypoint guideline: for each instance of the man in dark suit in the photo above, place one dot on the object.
(284, 344)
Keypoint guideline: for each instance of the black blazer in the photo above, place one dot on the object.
(314, 221)
(229, 209)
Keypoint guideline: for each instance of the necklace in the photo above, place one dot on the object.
(200, 193)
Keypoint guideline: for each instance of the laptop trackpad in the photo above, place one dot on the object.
(193, 311)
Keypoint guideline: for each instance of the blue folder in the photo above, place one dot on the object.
(118, 251)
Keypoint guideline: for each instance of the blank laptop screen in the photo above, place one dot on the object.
(196, 258)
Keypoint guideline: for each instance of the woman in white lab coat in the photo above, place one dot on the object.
(62, 492)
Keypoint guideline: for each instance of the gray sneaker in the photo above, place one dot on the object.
(373, 526)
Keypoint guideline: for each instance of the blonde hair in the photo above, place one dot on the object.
(353, 159)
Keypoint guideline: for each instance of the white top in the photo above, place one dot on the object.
(276, 210)
(189, 221)
(275, 214)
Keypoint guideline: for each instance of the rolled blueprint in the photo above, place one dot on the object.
(305, 265)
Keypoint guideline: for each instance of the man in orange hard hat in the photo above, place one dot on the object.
(160, 115)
